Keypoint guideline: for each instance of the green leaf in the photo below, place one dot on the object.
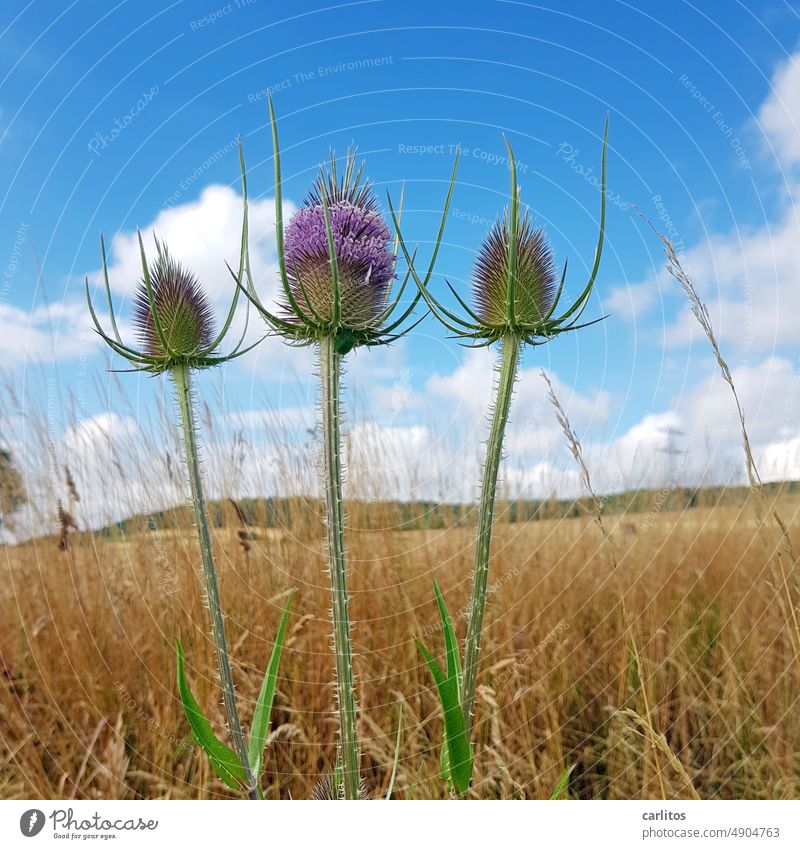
(258, 733)
(450, 639)
(444, 761)
(458, 760)
(453, 667)
(561, 784)
(224, 761)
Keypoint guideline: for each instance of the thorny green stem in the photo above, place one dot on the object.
(494, 452)
(330, 369)
(181, 378)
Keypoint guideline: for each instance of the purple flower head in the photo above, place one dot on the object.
(536, 276)
(183, 310)
(361, 238)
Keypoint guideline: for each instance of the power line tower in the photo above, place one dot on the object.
(672, 452)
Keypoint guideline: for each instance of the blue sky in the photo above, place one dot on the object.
(118, 115)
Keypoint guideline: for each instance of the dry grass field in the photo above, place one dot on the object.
(691, 688)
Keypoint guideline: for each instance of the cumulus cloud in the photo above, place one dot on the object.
(749, 276)
(780, 461)
(779, 114)
(204, 234)
(122, 465)
(698, 441)
(635, 299)
(45, 333)
(750, 281)
(469, 389)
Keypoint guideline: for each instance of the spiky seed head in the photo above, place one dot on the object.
(183, 310)
(361, 238)
(536, 275)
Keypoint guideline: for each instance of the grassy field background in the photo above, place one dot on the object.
(674, 673)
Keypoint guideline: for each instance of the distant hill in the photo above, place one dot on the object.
(302, 514)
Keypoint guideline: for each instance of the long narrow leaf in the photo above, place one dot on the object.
(459, 751)
(258, 733)
(450, 639)
(224, 761)
(561, 784)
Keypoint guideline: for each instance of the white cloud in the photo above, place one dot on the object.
(751, 283)
(634, 299)
(115, 465)
(400, 462)
(470, 388)
(115, 460)
(769, 392)
(280, 420)
(780, 461)
(204, 235)
(542, 480)
(699, 440)
(748, 276)
(45, 334)
(779, 115)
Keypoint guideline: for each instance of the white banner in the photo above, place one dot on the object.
(551, 825)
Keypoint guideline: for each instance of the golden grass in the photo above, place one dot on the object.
(88, 705)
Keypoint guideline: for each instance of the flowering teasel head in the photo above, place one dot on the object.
(337, 262)
(172, 316)
(515, 287)
(362, 245)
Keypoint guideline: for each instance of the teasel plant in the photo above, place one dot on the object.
(337, 268)
(517, 294)
(173, 318)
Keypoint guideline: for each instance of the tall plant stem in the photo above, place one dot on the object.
(330, 369)
(181, 377)
(494, 452)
